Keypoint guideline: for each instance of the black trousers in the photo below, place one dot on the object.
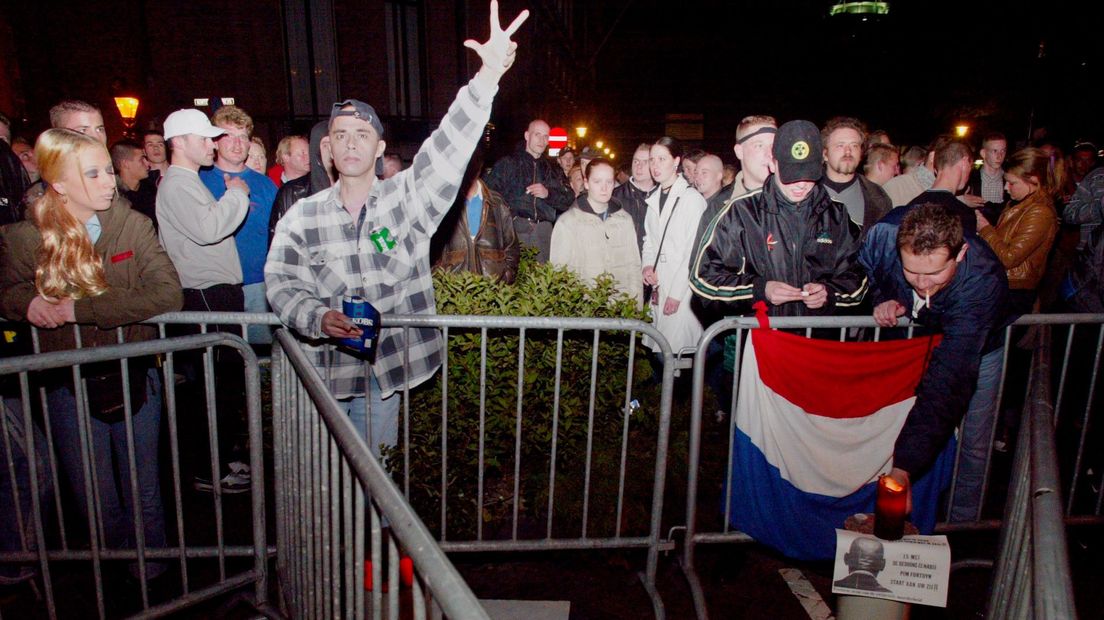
(229, 377)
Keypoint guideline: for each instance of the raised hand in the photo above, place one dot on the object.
(498, 52)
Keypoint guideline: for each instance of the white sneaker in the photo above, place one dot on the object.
(239, 480)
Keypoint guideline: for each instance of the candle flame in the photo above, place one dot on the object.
(892, 484)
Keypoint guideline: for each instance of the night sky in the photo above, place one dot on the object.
(915, 72)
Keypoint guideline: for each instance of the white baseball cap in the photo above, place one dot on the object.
(190, 120)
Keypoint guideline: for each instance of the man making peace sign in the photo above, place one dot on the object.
(369, 237)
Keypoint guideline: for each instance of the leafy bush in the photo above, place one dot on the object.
(540, 290)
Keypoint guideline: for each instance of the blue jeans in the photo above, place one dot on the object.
(255, 301)
(12, 538)
(109, 452)
(385, 418)
(977, 430)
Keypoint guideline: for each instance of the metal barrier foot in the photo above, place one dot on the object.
(657, 602)
(247, 599)
(697, 593)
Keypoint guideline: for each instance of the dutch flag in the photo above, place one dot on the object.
(815, 425)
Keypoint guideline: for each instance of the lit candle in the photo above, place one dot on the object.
(889, 509)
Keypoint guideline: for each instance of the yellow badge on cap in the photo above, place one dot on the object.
(800, 150)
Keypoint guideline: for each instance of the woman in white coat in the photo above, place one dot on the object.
(670, 227)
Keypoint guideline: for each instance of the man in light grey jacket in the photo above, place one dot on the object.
(197, 232)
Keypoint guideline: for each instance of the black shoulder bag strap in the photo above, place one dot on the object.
(659, 251)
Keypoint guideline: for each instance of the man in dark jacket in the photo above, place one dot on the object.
(788, 244)
(533, 187)
(866, 202)
(311, 183)
(633, 193)
(922, 264)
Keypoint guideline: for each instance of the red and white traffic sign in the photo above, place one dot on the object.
(557, 139)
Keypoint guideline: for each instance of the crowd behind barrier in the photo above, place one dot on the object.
(321, 475)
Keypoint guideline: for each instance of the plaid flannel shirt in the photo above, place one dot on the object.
(320, 254)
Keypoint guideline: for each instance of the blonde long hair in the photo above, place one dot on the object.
(68, 265)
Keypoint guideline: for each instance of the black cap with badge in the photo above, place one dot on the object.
(798, 152)
(364, 112)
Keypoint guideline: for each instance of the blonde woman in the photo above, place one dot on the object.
(77, 259)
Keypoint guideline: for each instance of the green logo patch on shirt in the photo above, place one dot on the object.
(382, 239)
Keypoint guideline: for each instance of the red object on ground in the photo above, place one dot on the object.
(406, 571)
(406, 574)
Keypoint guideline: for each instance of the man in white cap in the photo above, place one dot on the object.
(197, 232)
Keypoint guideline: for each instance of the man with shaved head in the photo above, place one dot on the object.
(534, 188)
(709, 175)
(865, 559)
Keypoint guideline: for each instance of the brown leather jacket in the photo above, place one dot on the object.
(1022, 239)
(494, 251)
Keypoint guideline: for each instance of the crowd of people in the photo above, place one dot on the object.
(821, 221)
(814, 221)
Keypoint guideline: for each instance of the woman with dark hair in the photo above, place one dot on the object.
(597, 236)
(78, 260)
(670, 227)
(1025, 231)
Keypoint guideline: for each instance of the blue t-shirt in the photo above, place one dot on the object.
(252, 236)
(475, 213)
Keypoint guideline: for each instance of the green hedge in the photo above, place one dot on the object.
(540, 290)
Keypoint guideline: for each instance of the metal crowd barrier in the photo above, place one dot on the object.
(1032, 576)
(45, 545)
(547, 536)
(329, 482)
(1073, 404)
(647, 536)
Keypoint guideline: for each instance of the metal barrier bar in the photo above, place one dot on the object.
(142, 552)
(525, 326)
(1032, 568)
(310, 585)
(741, 326)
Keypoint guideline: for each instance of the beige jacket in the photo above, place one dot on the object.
(589, 245)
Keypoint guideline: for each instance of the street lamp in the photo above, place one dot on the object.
(606, 150)
(581, 131)
(128, 110)
(598, 144)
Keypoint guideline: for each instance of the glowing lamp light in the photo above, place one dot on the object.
(962, 130)
(581, 131)
(128, 108)
(859, 8)
(599, 144)
(613, 155)
(890, 509)
(606, 150)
